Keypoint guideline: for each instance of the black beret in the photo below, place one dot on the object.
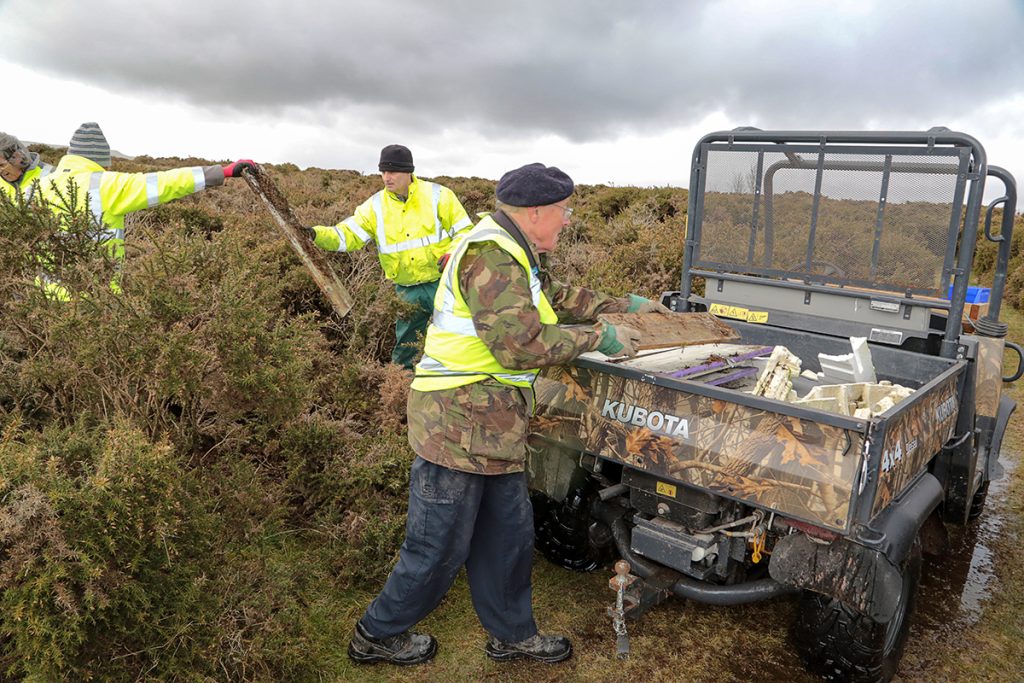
(533, 185)
(396, 158)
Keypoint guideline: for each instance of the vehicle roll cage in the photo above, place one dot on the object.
(806, 150)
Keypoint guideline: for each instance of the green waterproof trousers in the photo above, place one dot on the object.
(411, 328)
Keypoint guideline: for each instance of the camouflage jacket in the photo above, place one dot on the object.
(482, 427)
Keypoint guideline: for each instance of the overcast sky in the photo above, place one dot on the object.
(612, 92)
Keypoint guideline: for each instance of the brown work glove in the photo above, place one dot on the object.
(619, 340)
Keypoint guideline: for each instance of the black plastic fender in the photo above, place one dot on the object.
(863, 579)
(893, 530)
(862, 571)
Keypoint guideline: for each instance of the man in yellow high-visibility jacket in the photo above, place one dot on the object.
(20, 169)
(413, 223)
(107, 195)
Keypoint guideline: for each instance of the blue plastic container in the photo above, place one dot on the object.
(975, 295)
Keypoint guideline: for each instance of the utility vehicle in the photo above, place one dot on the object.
(799, 239)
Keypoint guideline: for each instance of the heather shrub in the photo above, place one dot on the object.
(639, 250)
(987, 252)
(1014, 292)
(103, 540)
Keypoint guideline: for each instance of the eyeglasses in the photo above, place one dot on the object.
(566, 211)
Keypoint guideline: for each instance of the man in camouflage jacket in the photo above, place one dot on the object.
(497, 320)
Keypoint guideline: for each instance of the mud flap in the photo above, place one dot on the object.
(1006, 408)
(863, 579)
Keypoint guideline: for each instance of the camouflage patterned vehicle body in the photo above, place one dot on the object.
(801, 240)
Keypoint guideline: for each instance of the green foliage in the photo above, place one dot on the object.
(102, 535)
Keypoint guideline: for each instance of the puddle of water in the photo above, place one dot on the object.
(955, 586)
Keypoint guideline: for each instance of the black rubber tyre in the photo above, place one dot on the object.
(978, 501)
(567, 535)
(840, 644)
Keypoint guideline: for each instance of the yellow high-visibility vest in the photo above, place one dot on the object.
(80, 184)
(109, 195)
(454, 354)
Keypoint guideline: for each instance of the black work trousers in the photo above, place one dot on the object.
(484, 522)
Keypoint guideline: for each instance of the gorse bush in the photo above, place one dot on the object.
(154, 436)
(196, 346)
(103, 541)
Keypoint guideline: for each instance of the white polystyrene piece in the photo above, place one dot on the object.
(775, 381)
(863, 368)
(850, 367)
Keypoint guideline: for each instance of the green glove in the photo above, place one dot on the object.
(619, 341)
(638, 304)
(609, 345)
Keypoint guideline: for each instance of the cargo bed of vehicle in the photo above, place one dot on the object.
(812, 465)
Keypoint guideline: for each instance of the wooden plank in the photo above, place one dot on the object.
(659, 330)
(312, 256)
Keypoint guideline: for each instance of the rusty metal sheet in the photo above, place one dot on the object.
(312, 257)
(661, 330)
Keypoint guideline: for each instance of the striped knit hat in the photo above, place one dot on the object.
(88, 142)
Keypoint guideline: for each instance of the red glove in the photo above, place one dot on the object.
(235, 170)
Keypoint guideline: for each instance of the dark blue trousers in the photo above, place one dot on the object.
(455, 519)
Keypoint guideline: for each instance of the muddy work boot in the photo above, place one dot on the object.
(405, 648)
(548, 649)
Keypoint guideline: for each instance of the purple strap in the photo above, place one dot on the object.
(739, 374)
(696, 370)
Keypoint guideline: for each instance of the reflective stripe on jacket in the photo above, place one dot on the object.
(411, 236)
(454, 354)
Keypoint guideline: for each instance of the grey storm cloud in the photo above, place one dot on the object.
(577, 68)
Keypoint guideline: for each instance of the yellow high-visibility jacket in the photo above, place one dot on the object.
(411, 236)
(109, 195)
(27, 183)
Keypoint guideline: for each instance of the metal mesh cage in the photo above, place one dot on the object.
(884, 219)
